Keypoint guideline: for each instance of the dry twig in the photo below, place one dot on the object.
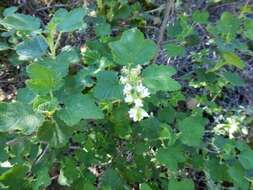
(169, 11)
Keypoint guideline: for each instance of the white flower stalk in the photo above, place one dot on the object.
(134, 92)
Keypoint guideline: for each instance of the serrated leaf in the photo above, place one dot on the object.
(69, 21)
(133, 48)
(43, 179)
(60, 65)
(174, 29)
(9, 11)
(121, 123)
(192, 130)
(53, 134)
(103, 29)
(228, 23)
(216, 170)
(233, 59)
(246, 159)
(111, 179)
(85, 104)
(25, 95)
(32, 48)
(184, 184)
(42, 79)
(174, 50)
(21, 22)
(238, 174)
(145, 186)
(14, 177)
(171, 157)
(68, 55)
(248, 29)
(158, 78)
(108, 87)
(200, 16)
(234, 79)
(17, 116)
(167, 114)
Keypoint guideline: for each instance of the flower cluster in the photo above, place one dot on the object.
(233, 126)
(134, 92)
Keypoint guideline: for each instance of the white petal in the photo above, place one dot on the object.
(129, 99)
(138, 102)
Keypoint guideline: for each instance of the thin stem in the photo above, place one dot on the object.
(54, 48)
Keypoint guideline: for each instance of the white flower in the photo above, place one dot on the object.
(136, 71)
(127, 89)
(123, 80)
(129, 99)
(137, 114)
(124, 70)
(138, 102)
(144, 92)
(245, 131)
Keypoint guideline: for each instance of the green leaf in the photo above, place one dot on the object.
(174, 29)
(25, 95)
(233, 59)
(246, 159)
(145, 186)
(234, 79)
(69, 21)
(45, 104)
(14, 59)
(16, 116)
(184, 184)
(111, 179)
(9, 11)
(60, 65)
(108, 87)
(228, 23)
(133, 48)
(53, 134)
(200, 16)
(167, 134)
(103, 29)
(68, 55)
(192, 130)
(238, 175)
(32, 48)
(171, 157)
(174, 50)
(216, 170)
(248, 29)
(167, 114)
(4, 46)
(14, 178)
(121, 122)
(43, 179)
(21, 22)
(42, 79)
(77, 107)
(158, 78)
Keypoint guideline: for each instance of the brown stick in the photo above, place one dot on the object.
(169, 10)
